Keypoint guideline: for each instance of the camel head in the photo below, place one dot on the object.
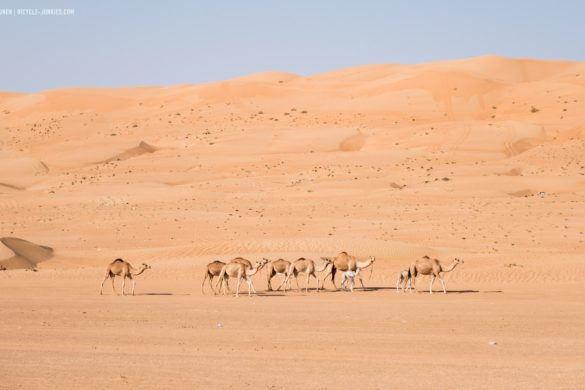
(146, 266)
(458, 261)
(327, 259)
(261, 263)
(372, 258)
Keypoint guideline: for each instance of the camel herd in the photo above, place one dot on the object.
(243, 270)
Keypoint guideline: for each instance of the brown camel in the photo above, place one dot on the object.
(213, 270)
(248, 264)
(277, 267)
(307, 267)
(240, 271)
(428, 266)
(344, 262)
(122, 268)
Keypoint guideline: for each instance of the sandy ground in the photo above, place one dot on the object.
(480, 159)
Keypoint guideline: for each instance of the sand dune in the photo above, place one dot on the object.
(279, 148)
(27, 255)
(481, 159)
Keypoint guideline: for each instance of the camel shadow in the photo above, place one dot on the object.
(270, 294)
(373, 288)
(161, 294)
(467, 291)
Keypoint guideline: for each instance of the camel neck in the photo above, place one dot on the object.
(252, 271)
(321, 268)
(135, 272)
(363, 264)
(451, 266)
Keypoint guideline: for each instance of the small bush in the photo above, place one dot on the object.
(534, 109)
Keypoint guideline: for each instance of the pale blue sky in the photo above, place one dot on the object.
(124, 43)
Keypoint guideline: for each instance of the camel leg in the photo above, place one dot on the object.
(308, 278)
(219, 285)
(443, 284)
(250, 287)
(211, 284)
(238, 287)
(317, 279)
(114, 286)
(432, 281)
(333, 272)
(402, 284)
(269, 288)
(102, 287)
(413, 278)
(225, 284)
(124, 286)
(283, 284)
(203, 283)
(323, 282)
(133, 285)
(361, 281)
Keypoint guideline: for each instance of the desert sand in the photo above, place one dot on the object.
(481, 159)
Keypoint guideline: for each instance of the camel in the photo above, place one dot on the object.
(307, 267)
(428, 266)
(213, 270)
(344, 262)
(403, 281)
(122, 268)
(240, 271)
(248, 264)
(349, 276)
(277, 267)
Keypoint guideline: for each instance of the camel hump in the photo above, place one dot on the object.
(426, 257)
(118, 260)
(343, 253)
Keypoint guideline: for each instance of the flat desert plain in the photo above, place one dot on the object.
(480, 159)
